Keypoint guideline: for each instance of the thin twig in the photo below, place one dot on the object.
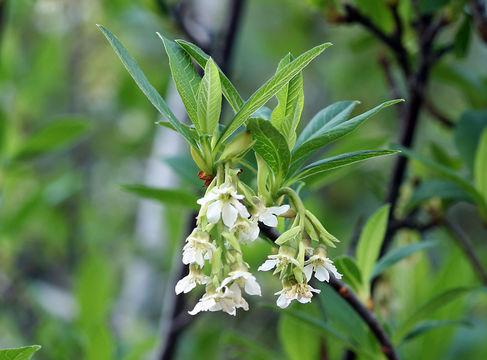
(438, 115)
(467, 248)
(351, 298)
(479, 14)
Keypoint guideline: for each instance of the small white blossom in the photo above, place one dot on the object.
(244, 279)
(298, 291)
(267, 215)
(280, 261)
(225, 299)
(189, 282)
(321, 265)
(223, 202)
(198, 248)
(248, 230)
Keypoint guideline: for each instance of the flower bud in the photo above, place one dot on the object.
(198, 159)
(238, 147)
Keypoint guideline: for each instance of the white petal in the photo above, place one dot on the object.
(267, 265)
(242, 210)
(180, 286)
(269, 220)
(202, 305)
(229, 214)
(252, 287)
(214, 211)
(189, 256)
(304, 299)
(321, 273)
(278, 210)
(308, 271)
(283, 301)
(331, 268)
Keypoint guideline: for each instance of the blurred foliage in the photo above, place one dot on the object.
(75, 129)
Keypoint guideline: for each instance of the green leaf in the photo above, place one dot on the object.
(270, 145)
(287, 113)
(444, 189)
(298, 338)
(462, 38)
(273, 85)
(185, 77)
(428, 308)
(449, 174)
(209, 99)
(370, 241)
(316, 137)
(395, 255)
(60, 133)
(467, 134)
(351, 273)
(425, 326)
(178, 197)
(480, 166)
(339, 161)
(229, 91)
(23, 353)
(144, 84)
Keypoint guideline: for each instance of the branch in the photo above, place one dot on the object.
(438, 115)
(467, 248)
(479, 15)
(360, 308)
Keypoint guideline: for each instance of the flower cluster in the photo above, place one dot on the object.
(228, 218)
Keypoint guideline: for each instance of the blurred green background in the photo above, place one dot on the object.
(86, 267)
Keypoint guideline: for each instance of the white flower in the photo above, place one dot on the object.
(298, 291)
(248, 230)
(225, 299)
(281, 260)
(244, 279)
(223, 201)
(321, 265)
(189, 282)
(267, 215)
(198, 248)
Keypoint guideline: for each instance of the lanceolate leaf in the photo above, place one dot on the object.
(326, 118)
(209, 99)
(351, 273)
(480, 166)
(425, 326)
(370, 242)
(270, 145)
(273, 85)
(177, 197)
(185, 77)
(24, 353)
(394, 256)
(144, 84)
(229, 91)
(287, 113)
(428, 308)
(339, 161)
(316, 137)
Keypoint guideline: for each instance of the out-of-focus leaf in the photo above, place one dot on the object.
(428, 308)
(379, 11)
(462, 38)
(369, 243)
(269, 89)
(251, 348)
(270, 145)
(298, 338)
(333, 130)
(425, 326)
(229, 91)
(430, 6)
(480, 166)
(185, 77)
(287, 113)
(351, 273)
(144, 84)
(209, 99)
(59, 133)
(186, 169)
(23, 353)
(440, 154)
(395, 255)
(444, 189)
(467, 134)
(339, 161)
(141, 349)
(449, 174)
(177, 197)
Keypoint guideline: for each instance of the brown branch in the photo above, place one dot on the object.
(479, 15)
(438, 115)
(467, 248)
(351, 298)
